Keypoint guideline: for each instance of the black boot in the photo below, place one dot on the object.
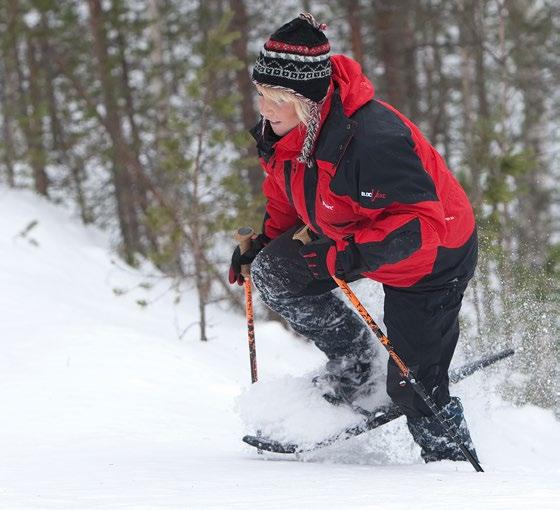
(345, 380)
(432, 438)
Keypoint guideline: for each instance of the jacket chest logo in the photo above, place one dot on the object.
(373, 195)
(325, 204)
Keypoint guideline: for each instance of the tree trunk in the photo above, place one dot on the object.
(47, 69)
(354, 19)
(392, 26)
(158, 86)
(122, 180)
(7, 123)
(245, 87)
(37, 152)
(534, 218)
(412, 90)
(476, 110)
(478, 36)
(438, 109)
(141, 191)
(60, 145)
(29, 120)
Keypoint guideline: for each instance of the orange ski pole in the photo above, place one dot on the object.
(243, 237)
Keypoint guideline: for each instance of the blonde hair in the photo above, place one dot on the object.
(301, 104)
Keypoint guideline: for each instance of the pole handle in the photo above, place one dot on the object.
(302, 235)
(243, 237)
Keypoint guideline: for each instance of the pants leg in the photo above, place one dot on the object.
(286, 285)
(423, 326)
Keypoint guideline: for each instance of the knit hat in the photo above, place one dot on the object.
(296, 58)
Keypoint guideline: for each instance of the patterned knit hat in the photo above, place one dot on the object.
(296, 58)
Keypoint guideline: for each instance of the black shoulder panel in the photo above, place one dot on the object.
(335, 133)
(380, 166)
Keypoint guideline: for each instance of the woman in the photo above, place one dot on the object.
(380, 203)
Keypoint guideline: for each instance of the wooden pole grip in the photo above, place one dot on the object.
(302, 235)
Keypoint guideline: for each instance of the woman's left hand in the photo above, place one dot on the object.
(320, 256)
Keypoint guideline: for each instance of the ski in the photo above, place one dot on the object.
(372, 419)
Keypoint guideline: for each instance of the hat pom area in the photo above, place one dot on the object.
(307, 16)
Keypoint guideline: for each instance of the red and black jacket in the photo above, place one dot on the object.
(377, 188)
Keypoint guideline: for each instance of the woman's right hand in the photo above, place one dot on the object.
(239, 259)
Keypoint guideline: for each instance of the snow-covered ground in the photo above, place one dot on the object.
(104, 406)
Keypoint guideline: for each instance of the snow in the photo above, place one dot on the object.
(104, 406)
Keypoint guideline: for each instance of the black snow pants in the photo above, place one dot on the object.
(422, 323)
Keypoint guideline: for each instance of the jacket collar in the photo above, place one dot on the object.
(335, 134)
(265, 140)
(268, 143)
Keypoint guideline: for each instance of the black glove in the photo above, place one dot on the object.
(238, 259)
(320, 256)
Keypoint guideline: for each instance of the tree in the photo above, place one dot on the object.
(123, 179)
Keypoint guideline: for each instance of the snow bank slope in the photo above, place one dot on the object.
(104, 407)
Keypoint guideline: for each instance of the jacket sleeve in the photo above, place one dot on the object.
(279, 214)
(402, 219)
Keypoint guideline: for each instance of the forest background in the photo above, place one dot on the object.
(136, 114)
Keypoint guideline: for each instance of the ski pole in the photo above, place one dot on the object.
(450, 428)
(243, 237)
